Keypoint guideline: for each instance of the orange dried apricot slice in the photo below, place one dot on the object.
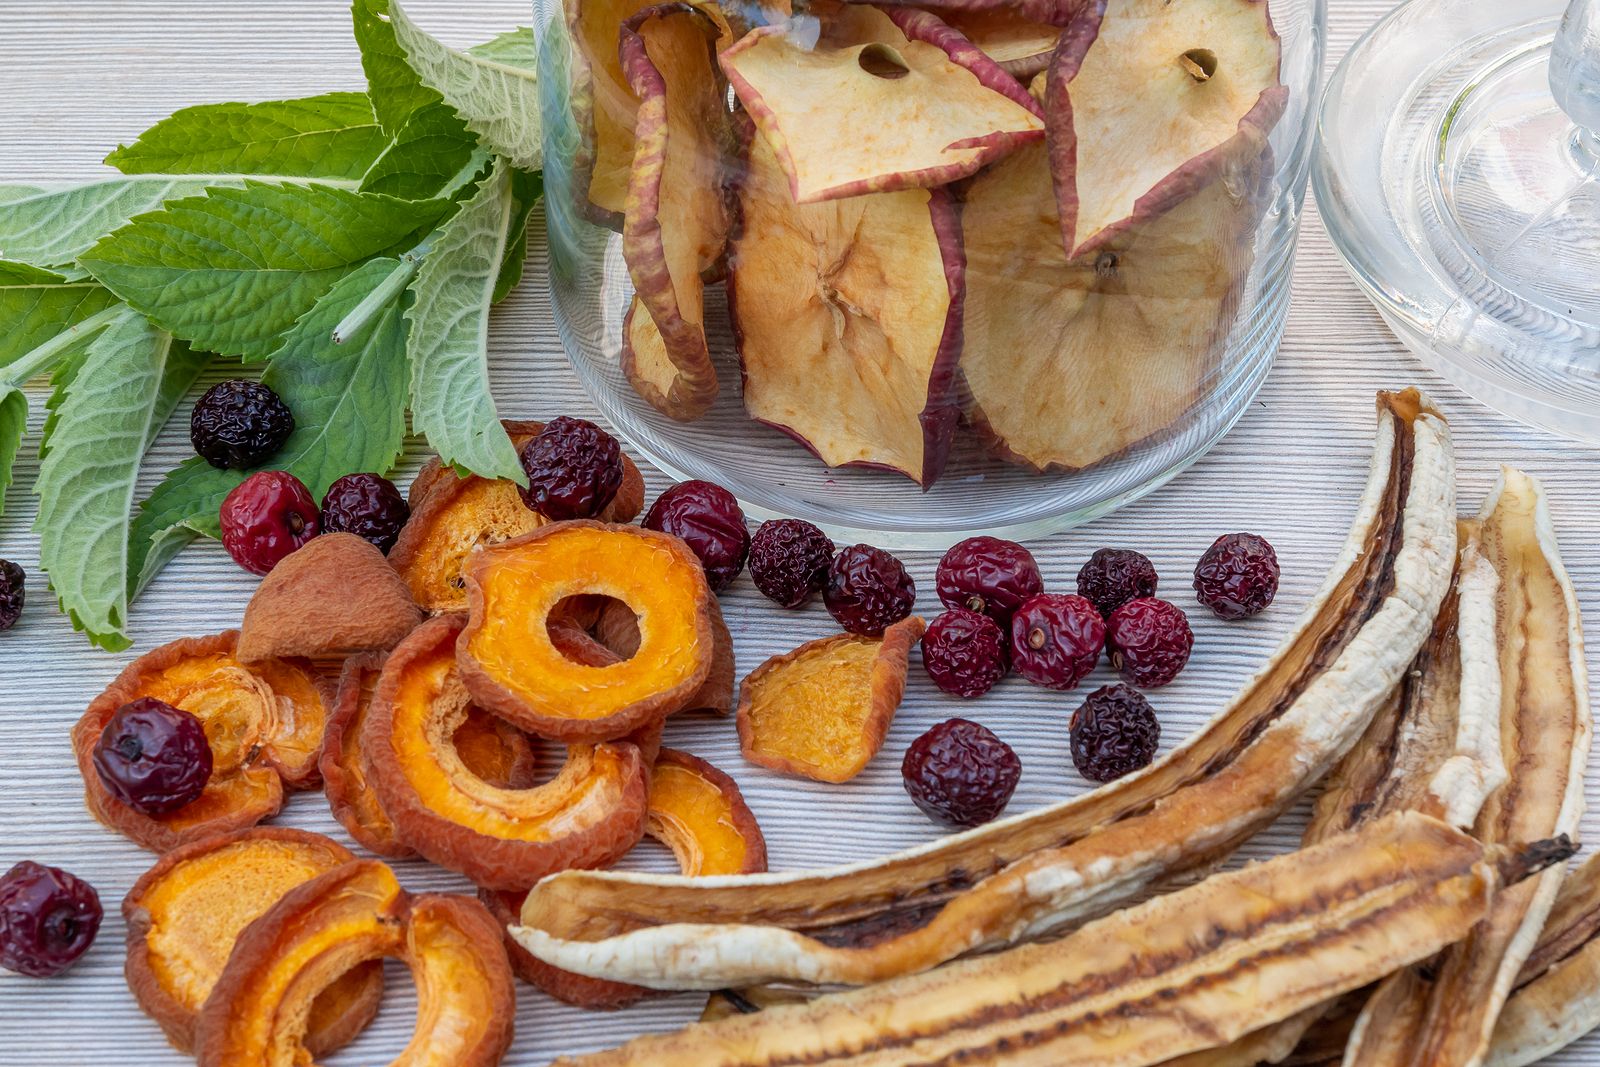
(260, 1009)
(264, 723)
(512, 667)
(697, 811)
(187, 911)
(821, 711)
(616, 628)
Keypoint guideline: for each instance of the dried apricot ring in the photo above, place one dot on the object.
(264, 723)
(261, 1007)
(187, 911)
(511, 666)
(821, 711)
(698, 812)
(591, 813)
(617, 628)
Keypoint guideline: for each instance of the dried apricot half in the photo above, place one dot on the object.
(187, 911)
(821, 711)
(319, 931)
(264, 723)
(511, 666)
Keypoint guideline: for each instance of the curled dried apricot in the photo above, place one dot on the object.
(264, 723)
(821, 711)
(187, 911)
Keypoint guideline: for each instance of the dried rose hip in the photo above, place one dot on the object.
(48, 919)
(789, 561)
(964, 652)
(989, 575)
(13, 592)
(266, 517)
(1114, 576)
(868, 590)
(574, 470)
(1114, 731)
(959, 773)
(238, 424)
(153, 757)
(1056, 639)
(367, 505)
(1149, 641)
(1238, 576)
(710, 522)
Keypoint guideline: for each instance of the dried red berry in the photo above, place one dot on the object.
(266, 517)
(1056, 639)
(710, 522)
(1113, 732)
(153, 757)
(964, 652)
(367, 505)
(1114, 576)
(574, 469)
(989, 575)
(868, 590)
(789, 561)
(1149, 641)
(48, 919)
(239, 424)
(960, 773)
(1238, 576)
(13, 593)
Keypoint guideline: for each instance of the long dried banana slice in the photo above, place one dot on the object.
(1036, 873)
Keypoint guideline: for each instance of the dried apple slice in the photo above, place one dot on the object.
(1019, 45)
(604, 107)
(1147, 101)
(882, 101)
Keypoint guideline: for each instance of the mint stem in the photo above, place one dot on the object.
(34, 363)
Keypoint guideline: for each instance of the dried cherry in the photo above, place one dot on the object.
(709, 520)
(868, 590)
(960, 773)
(964, 652)
(153, 757)
(367, 505)
(48, 919)
(1056, 639)
(574, 469)
(266, 517)
(1238, 576)
(1149, 641)
(1113, 576)
(1113, 732)
(990, 575)
(238, 424)
(789, 561)
(13, 593)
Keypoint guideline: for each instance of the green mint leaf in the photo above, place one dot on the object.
(12, 191)
(230, 272)
(52, 229)
(27, 274)
(36, 312)
(426, 158)
(396, 91)
(332, 136)
(13, 423)
(526, 189)
(450, 399)
(517, 48)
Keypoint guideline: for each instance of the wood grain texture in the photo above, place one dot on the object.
(78, 76)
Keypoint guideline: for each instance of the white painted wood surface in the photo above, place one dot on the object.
(77, 76)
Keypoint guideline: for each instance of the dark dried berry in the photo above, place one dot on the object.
(1113, 732)
(964, 652)
(239, 424)
(1114, 576)
(1149, 641)
(789, 561)
(367, 505)
(1238, 576)
(574, 470)
(266, 517)
(960, 773)
(989, 575)
(868, 590)
(13, 593)
(48, 919)
(1056, 639)
(710, 522)
(153, 757)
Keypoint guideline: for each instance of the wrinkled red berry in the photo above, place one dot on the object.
(153, 757)
(239, 424)
(789, 561)
(574, 469)
(48, 919)
(367, 505)
(13, 593)
(964, 652)
(989, 575)
(868, 590)
(1149, 641)
(1238, 576)
(710, 522)
(266, 517)
(1113, 732)
(1114, 576)
(959, 773)
(1056, 639)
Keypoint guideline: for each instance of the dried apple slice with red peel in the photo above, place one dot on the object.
(604, 107)
(1019, 45)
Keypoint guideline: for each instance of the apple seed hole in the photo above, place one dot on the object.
(1105, 264)
(881, 61)
(1201, 63)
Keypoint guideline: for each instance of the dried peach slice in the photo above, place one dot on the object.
(616, 627)
(186, 912)
(821, 711)
(698, 812)
(258, 1012)
(264, 723)
(511, 667)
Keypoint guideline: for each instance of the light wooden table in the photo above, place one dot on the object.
(77, 76)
